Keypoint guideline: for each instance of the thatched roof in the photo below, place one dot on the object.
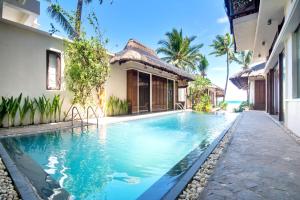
(137, 52)
(240, 79)
(220, 91)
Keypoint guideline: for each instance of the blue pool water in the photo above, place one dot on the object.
(122, 160)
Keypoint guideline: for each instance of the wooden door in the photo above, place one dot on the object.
(260, 96)
(144, 92)
(132, 78)
(159, 93)
(170, 95)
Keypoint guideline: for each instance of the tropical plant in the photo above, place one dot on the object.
(242, 107)
(70, 23)
(60, 103)
(197, 88)
(55, 106)
(12, 109)
(23, 109)
(116, 106)
(49, 110)
(32, 110)
(3, 110)
(179, 51)
(87, 68)
(202, 65)
(204, 105)
(223, 105)
(42, 105)
(244, 58)
(223, 45)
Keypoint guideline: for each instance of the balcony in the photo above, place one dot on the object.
(240, 8)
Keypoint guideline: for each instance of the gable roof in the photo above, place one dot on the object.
(240, 79)
(137, 52)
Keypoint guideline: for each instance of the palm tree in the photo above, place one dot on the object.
(178, 50)
(202, 65)
(70, 24)
(244, 59)
(223, 45)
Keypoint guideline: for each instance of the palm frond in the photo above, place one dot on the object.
(57, 13)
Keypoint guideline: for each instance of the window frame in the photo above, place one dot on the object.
(58, 70)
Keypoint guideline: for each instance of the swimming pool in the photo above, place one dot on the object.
(121, 160)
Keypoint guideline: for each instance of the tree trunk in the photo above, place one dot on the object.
(227, 76)
(78, 16)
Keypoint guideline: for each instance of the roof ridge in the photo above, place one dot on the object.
(133, 43)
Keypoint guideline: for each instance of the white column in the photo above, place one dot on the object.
(138, 92)
(174, 94)
(150, 92)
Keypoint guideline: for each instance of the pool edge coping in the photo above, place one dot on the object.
(23, 186)
(187, 176)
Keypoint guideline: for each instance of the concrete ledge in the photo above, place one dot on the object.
(171, 185)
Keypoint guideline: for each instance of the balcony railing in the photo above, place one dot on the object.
(240, 8)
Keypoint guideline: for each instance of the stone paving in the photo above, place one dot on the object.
(261, 162)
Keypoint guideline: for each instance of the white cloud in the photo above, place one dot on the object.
(223, 20)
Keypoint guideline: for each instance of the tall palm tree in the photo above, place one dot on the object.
(70, 24)
(178, 50)
(202, 65)
(223, 45)
(244, 59)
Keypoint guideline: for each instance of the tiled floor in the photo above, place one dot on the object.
(262, 162)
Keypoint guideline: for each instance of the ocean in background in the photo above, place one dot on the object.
(233, 104)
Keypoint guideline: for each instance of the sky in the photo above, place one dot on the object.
(148, 21)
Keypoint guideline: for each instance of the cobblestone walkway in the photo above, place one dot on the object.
(262, 162)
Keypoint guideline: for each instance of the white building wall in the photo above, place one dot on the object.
(23, 62)
(251, 91)
(116, 84)
(292, 105)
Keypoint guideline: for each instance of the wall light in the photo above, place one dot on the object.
(269, 21)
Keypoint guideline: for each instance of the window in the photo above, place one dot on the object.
(181, 94)
(53, 70)
(297, 33)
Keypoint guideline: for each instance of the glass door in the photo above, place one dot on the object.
(144, 92)
(170, 95)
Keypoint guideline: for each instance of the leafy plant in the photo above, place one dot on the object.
(24, 109)
(55, 105)
(116, 106)
(12, 109)
(242, 107)
(3, 110)
(42, 104)
(60, 103)
(32, 110)
(198, 88)
(49, 110)
(204, 105)
(87, 68)
(223, 45)
(223, 105)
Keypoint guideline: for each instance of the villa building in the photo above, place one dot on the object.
(253, 81)
(32, 63)
(271, 30)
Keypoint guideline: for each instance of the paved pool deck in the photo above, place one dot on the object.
(262, 161)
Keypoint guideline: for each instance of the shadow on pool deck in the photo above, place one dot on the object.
(261, 162)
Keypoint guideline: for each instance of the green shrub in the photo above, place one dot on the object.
(204, 105)
(116, 106)
(223, 105)
(23, 109)
(243, 106)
